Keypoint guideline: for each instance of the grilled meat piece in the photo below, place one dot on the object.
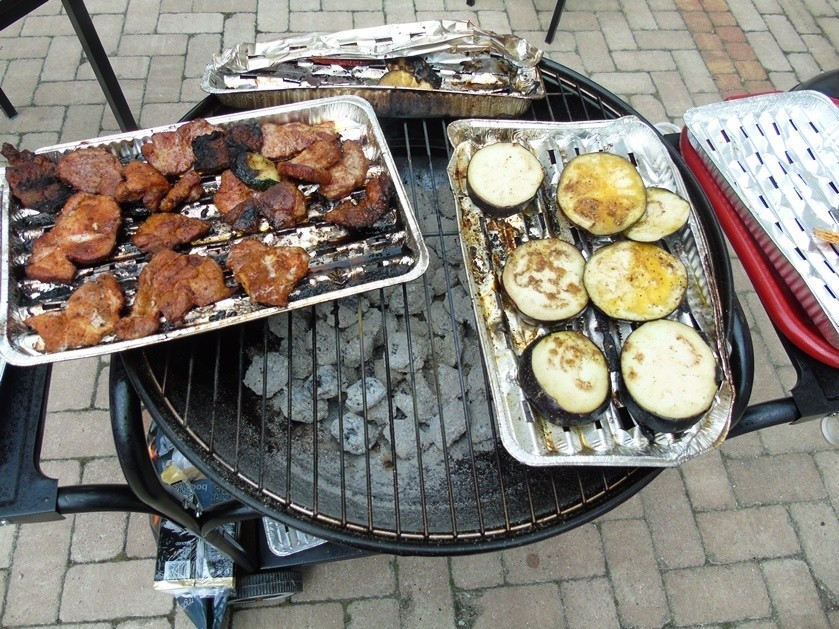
(93, 169)
(172, 284)
(368, 210)
(90, 315)
(85, 232)
(268, 274)
(348, 174)
(166, 231)
(170, 152)
(313, 163)
(212, 153)
(281, 141)
(34, 180)
(244, 136)
(245, 217)
(143, 182)
(186, 190)
(283, 205)
(231, 192)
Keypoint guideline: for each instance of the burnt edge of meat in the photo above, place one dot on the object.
(212, 152)
(34, 181)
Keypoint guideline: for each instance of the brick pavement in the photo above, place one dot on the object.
(746, 535)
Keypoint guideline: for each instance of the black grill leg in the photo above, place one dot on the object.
(558, 8)
(6, 105)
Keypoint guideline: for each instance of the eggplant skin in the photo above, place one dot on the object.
(565, 376)
(503, 178)
(669, 375)
(544, 279)
(602, 193)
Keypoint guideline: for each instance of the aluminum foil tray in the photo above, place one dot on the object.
(342, 262)
(614, 439)
(482, 73)
(776, 158)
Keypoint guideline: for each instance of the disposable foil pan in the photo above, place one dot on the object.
(343, 262)
(483, 73)
(776, 158)
(614, 439)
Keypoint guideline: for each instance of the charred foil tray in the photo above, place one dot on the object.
(614, 439)
(342, 262)
(468, 71)
(776, 158)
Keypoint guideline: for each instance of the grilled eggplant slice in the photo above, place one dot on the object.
(565, 377)
(669, 375)
(255, 170)
(503, 178)
(544, 279)
(601, 192)
(635, 281)
(666, 214)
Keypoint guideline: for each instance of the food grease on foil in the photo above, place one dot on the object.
(614, 439)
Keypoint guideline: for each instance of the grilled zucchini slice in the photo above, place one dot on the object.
(503, 178)
(255, 170)
(666, 214)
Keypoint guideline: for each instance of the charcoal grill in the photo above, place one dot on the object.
(456, 498)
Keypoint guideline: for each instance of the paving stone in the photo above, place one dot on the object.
(818, 531)
(625, 84)
(75, 434)
(21, 91)
(672, 525)
(828, 464)
(707, 483)
(326, 582)
(745, 534)
(589, 603)
(521, 606)
(112, 590)
(190, 23)
(616, 31)
(313, 616)
(139, 541)
(146, 623)
(424, 592)
(382, 613)
(238, 28)
(72, 383)
(631, 509)
(575, 554)
(477, 571)
(152, 45)
(804, 437)
(717, 594)
(775, 479)
(793, 593)
(634, 573)
(8, 535)
(165, 78)
(742, 447)
(98, 537)
(591, 41)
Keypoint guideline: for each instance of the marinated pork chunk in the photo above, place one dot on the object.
(172, 284)
(34, 180)
(368, 210)
(231, 192)
(268, 274)
(212, 154)
(170, 152)
(85, 232)
(244, 136)
(92, 170)
(166, 231)
(186, 190)
(313, 163)
(348, 174)
(281, 141)
(143, 182)
(283, 205)
(90, 315)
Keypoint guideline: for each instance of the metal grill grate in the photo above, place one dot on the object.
(407, 480)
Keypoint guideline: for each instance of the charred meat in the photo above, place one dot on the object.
(244, 137)
(85, 232)
(281, 141)
(231, 192)
(348, 174)
(372, 206)
(166, 231)
(34, 180)
(90, 315)
(94, 170)
(268, 274)
(186, 190)
(212, 154)
(313, 163)
(143, 182)
(283, 205)
(170, 152)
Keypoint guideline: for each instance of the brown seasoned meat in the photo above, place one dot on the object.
(313, 163)
(281, 141)
(212, 154)
(244, 136)
(90, 315)
(368, 210)
(166, 231)
(172, 284)
(231, 192)
(34, 181)
(187, 190)
(143, 182)
(268, 274)
(85, 232)
(93, 169)
(283, 205)
(348, 174)
(170, 152)
(245, 217)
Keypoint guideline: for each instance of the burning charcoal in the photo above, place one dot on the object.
(380, 414)
(380, 370)
(405, 405)
(353, 440)
(278, 325)
(400, 357)
(327, 383)
(404, 431)
(424, 394)
(373, 389)
(438, 281)
(348, 311)
(475, 382)
(462, 304)
(449, 382)
(302, 408)
(454, 419)
(483, 439)
(326, 345)
(445, 349)
(277, 374)
(416, 298)
(441, 320)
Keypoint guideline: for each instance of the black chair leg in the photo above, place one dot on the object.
(560, 5)
(6, 105)
(92, 46)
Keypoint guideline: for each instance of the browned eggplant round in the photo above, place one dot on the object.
(669, 375)
(544, 279)
(565, 377)
(666, 214)
(503, 178)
